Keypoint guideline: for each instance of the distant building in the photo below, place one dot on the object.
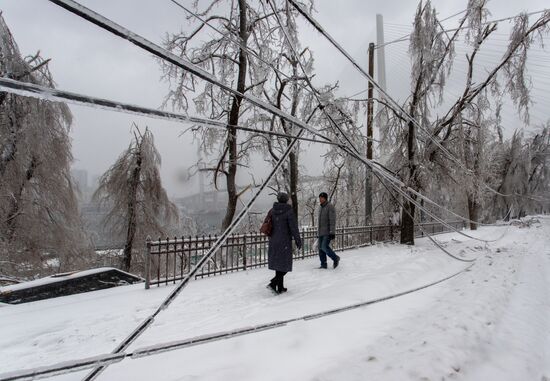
(93, 216)
(95, 181)
(85, 188)
(208, 208)
(80, 177)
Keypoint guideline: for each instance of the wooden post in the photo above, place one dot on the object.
(370, 117)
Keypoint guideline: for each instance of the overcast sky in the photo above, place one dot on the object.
(91, 61)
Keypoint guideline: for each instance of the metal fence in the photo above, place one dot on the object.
(169, 260)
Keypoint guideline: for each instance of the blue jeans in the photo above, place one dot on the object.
(324, 250)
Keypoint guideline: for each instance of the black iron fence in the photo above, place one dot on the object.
(169, 260)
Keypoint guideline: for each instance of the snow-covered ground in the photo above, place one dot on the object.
(491, 322)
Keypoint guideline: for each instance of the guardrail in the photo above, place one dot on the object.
(169, 260)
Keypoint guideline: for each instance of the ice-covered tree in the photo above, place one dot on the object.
(288, 91)
(244, 28)
(345, 175)
(40, 228)
(537, 181)
(522, 174)
(419, 156)
(132, 189)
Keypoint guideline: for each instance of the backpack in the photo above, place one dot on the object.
(267, 226)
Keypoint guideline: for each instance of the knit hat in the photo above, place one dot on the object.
(282, 197)
(324, 195)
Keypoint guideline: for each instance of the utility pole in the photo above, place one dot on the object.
(370, 117)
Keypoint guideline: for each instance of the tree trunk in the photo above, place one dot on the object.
(132, 205)
(293, 156)
(10, 147)
(234, 120)
(474, 147)
(294, 182)
(507, 212)
(407, 219)
(407, 223)
(473, 211)
(15, 203)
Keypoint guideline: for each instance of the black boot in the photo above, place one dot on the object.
(280, 282)
(273, 284)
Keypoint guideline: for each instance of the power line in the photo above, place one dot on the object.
(534, 74)
(404, 38)
(162, 53)
(147, 45)
(40, 92)
(117, 30)
(238, 44)
(320, 29)
(356, 153)
(141, 42)
(308, 81)
(109, 359)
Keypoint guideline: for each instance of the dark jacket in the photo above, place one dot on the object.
(327, 219)
(280, 241)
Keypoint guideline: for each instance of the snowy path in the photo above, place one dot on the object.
(484, 324)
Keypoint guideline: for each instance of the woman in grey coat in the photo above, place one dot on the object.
(284, 228)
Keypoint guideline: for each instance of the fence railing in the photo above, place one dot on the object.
(169, 260)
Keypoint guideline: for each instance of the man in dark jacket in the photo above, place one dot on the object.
(284, 228)
(327, 231)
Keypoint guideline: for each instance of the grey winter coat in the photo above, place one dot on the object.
(284, 229)
(327, 219)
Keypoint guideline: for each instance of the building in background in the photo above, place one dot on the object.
(80, 177)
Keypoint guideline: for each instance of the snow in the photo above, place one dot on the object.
(57, 278)
(491, 322)
(110, 253)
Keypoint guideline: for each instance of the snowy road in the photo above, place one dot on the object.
(490, 322)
